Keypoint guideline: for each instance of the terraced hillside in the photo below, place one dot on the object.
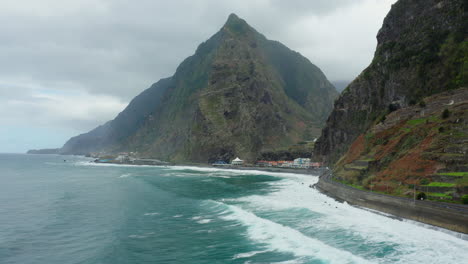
(423, 147)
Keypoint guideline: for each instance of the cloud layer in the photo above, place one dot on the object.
(75, 64)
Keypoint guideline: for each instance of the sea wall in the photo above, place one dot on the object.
(449, 216)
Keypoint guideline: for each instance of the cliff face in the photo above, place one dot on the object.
(401, 125)
(421, 51)
(239, 94)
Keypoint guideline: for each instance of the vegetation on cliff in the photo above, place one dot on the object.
(422, 50)
(417, 147)
(400, 126)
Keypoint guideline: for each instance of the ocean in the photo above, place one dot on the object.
(65, 212)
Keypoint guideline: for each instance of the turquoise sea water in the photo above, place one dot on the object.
(57, 212)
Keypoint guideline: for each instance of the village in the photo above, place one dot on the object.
(299, 163)
(129, 158)
(132, 159)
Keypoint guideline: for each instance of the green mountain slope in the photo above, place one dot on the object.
(238, 95)
(402, 123)
(422, 50)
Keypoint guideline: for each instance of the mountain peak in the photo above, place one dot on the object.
(237, 82)
(233, 17)
(236, 24)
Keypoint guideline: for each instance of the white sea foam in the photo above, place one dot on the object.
(94, 164)
(201, 220)
(177, 216)
(278, 237)
(125, 175)
(136, 236)
(204, 221)
(220, 176)
(249, 254)
(415, 243)
(206, 180)
(204, 231)
(234, 171)
(151, 214)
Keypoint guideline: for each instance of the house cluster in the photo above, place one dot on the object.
(124, 157)
(129, 158)
(236, 162)
(300, 163)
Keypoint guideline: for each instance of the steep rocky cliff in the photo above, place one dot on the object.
(421, 50)
(401, 125)
(238, 95)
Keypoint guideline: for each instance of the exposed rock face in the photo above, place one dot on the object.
(238, 95)
(422, 50)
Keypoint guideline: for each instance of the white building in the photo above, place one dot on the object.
(302, 163)
(237, 161)
(122, 157)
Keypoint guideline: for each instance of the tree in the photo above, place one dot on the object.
(445, 113)
(464, 199)
(421, 196)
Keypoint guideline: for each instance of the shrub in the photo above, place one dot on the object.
(382, 119)
(421, 196)
(424, 182)
(464, 199)
(393, 107)
(445, 113)
(422, 104)
(441, 129)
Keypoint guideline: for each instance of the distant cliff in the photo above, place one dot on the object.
(238, 95)
(113, 133)
(44, 151)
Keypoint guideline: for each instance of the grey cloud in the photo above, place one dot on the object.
(117, 48)
(316, 7)
(123, 46)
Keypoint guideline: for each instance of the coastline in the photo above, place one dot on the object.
(452, 217)
(315, 172)
(311, 171)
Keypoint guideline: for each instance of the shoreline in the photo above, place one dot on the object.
(314, 171)
(452, 217)
(311, 171)
(432, 214)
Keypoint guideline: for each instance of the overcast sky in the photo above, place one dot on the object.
(68, 66)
